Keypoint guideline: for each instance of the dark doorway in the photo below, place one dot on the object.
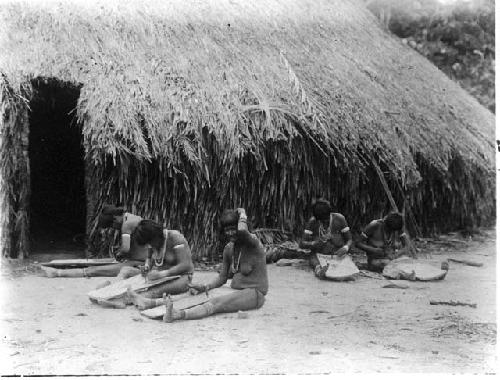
(57, 204)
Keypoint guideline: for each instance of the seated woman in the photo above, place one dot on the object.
(384, 240)
(131, 254)
(169, 255)
(244, 261)
(326, 233)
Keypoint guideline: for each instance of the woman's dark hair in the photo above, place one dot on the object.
(107, 214)
(149, 232)
(394, 221)
(229, 218)
(321, 209)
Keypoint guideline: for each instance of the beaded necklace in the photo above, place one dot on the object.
(233, 269)
(323, 231)
(159, 256)
(388, 238)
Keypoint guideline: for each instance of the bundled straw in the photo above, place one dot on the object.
(189, 107)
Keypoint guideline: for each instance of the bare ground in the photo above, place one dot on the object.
(306, 326)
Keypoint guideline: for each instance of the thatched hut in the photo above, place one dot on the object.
(178, 109)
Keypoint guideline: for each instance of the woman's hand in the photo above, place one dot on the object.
(147, 265)
(197, 288)
(378, 253)
(342, 251)
(153, 275)
(390, 253)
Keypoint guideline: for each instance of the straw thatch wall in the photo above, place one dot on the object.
(15, 174)
(188, 107)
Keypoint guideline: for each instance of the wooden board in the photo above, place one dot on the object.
(405, 268)
(186, 301)
(79, 263)
(119, 288)
(339, 269)
(291, 262)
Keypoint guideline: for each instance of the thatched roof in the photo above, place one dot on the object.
(156, 74)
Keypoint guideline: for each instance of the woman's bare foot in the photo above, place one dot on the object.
(169, 310)
(445, 266)
(142, 303)
(103, 284)
(50, 272)
(171, 314)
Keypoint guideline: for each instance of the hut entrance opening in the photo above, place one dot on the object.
(57, 170)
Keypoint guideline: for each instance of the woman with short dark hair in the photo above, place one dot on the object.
(169, 255)
(244, 262)
(326, 233)
(384, 240)
(131, 254)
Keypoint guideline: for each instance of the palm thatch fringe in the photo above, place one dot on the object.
(15, 177)
(189, 107)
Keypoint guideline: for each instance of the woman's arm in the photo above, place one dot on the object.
(243, 234)
(405, 240)
(368, 232)
(370, 249)
(406, 246)
(348, 239)
(184, 263)
(309, 240)
(125, 245)
(314, 245)
(347, 236)
(127, 229)
(345, 231)
(338, 222)
(221, 279)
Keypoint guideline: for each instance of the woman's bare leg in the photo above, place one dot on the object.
(142, 303)
(54, 272)
(246, 299)
(177, 286)
(150, 298)
(111, 270)
(318, 270)
(127, 272)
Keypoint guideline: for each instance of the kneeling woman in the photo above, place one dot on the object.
(170, 256)
(244, 261)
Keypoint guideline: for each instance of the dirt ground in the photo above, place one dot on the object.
(306, 326)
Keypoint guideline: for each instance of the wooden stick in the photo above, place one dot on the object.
(376, 277)
(454, 303)
(448, 241)
(467, 262)
(407, 206)
(384, 184)
(166, 307)
(411, 247)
